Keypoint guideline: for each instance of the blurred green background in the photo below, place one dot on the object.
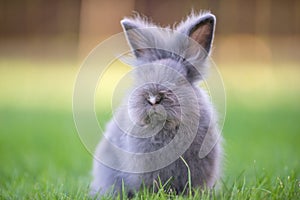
(42, 43)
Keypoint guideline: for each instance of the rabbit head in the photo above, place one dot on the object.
(168, 63)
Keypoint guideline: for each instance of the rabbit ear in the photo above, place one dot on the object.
(136, 35)
(200, 28)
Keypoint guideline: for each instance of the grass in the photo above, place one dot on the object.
(41, 156)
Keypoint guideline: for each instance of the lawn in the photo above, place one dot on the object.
(42, 157)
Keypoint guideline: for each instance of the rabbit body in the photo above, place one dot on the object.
(166, 100)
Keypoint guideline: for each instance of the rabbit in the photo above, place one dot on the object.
(164, 105)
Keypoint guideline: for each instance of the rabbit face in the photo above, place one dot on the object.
(153, 104)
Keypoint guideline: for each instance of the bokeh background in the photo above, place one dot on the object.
(43, 43)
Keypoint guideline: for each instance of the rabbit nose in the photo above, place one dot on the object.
(152, 100)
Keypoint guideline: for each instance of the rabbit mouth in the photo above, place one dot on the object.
(156, 115)
(158, 112)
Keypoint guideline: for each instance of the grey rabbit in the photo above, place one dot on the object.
(158, 133)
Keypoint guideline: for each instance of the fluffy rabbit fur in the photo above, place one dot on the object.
(153, 106)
